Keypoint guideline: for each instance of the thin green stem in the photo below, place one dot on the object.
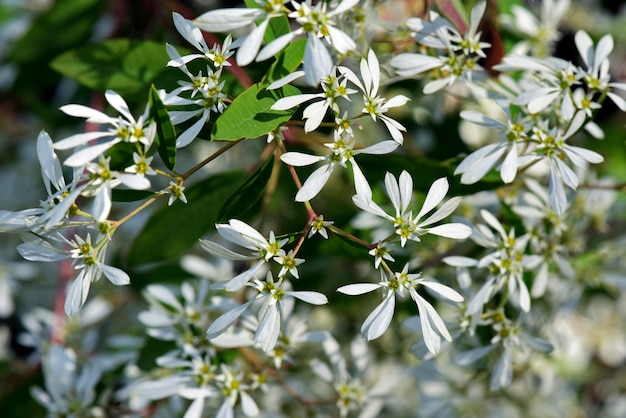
(207, 160)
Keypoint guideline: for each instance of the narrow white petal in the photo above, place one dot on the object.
(314, 298)
(459, 261)
(558, 200)
(192, 132)
(116, 276)
(86, 155)
(241, 279)
(317, 61)
(273, 48)
(299, 159)
(384, 147)
(269, 329)
(79, 139)
(225, 320)
(358, 288)
(119, 104)
(467, 358)
(502, 372)
(378, 321)
(249, 49)
(219, 251)
(435, 195)
(452, 230)
(248, 406)
(443, 290)
(225, 20)
(88, 113)
(508, 171)
(585, 47)
(288, 102)
(314, 184)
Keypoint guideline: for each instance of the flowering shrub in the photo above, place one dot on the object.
(308, 208)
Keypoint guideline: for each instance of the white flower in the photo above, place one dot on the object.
(211, 99)
(551, 147)
(342, 151)
(69, 392)
(541, 33)
(506, 264)
(272, 296)
(597, 77)
(218, 55)
(512, 134)
(318, 225)
(378, 321)
(259, 248)
(122, 129)
(334, 87)
(86, 257)
(408, 227)
(176, 192)
(375, 105)
(460, 52)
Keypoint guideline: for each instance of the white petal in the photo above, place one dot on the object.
(102, 204)
(378, 321)
(225, 20)
(119, 104)
(241, 279)
(293, 101)
(249, 49)
(317, 61)
(77, 293)
(314, 184)
(116, 276)
(358, 288)
(340, 41)
(88, 154)
(459, 261)
(299, 159)
(435, 195)
(225, 320)
(273, 48)
(502, 372)
(269, 329)
(508, 171)
(285, 80)
(467, 358)
(248, 406)
(452, 230)
(219, 251)
(90, 114)
(79, 139)
(163, 295)
(384, 147)
(443, 290)
(558, 200)
(192, 132)
(314, 298)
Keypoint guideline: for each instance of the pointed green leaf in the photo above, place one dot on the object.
(123, 65)
(250, 116)
(166, 134)
(248, 193)
(172, 230)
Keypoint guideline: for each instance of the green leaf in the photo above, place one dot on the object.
(166, 134)
(287, 61)
(250, 116)
(248, 193)
(123, 65)
(172, 230)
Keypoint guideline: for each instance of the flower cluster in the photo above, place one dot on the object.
(288, 185)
